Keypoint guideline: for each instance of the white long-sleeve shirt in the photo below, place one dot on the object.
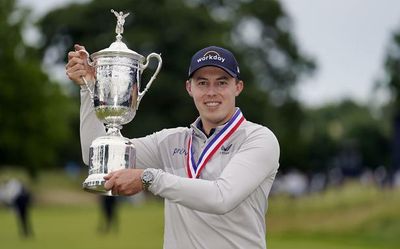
(225, 207)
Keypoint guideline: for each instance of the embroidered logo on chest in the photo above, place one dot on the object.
(179, 151)
(225, 149)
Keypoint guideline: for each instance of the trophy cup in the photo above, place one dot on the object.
(116, 96)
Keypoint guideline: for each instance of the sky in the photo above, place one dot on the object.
(347, 39)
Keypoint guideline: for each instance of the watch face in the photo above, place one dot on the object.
(147, 177)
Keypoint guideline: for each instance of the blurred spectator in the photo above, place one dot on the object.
(381, 176)
(108, 205)
(17, 196)
(73, 170)
(349, 160)
(367, 177)
(396, 179)
(335, 176)
(295, 183)
(317, 183)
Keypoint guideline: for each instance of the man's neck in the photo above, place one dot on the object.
(210, 127)
(208, 132)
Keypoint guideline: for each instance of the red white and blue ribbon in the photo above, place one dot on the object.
(194, 169)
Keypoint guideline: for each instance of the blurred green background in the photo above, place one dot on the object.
(353, 216)
(339, 174)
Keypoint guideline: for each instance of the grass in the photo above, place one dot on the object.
(351, 217)
(77, 227)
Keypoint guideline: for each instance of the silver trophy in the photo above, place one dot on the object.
(116, 96)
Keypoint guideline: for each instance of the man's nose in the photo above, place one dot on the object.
(211, 90)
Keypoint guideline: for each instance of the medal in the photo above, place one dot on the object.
(194, 169)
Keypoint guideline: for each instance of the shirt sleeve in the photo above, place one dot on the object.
(90, 126)
(256, 160)
(147, 152)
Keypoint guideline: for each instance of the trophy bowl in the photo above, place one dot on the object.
(116, 88)
(116, 96)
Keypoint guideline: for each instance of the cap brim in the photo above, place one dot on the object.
(213, 65)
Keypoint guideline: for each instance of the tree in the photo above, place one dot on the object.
(34, 112)
(336, 128)
(391, 82)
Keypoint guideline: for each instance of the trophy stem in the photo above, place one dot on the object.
(114, 130)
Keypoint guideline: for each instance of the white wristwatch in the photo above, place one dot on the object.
(147, 178)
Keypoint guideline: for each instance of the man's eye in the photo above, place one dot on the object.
(222, 83)
(201, 83)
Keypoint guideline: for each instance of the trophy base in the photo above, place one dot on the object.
(95, 184)
(107, 154)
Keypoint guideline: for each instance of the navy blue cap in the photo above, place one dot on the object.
(215, 56)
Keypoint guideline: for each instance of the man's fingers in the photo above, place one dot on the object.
(79, 47)
(72, 54)
(110, 180)
(78, 53)
(81, 51)
(109, 184)
(78, 66)
(75, 64)
(108, 176)
(74, 60)
(75, 74)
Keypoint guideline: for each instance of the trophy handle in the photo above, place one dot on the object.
(91, 64)
(144, 66)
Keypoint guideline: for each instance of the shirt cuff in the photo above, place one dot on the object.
(155, 184)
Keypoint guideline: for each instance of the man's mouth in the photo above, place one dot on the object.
(212, 103)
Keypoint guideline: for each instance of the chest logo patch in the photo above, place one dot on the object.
(225, 149)
(179, 151)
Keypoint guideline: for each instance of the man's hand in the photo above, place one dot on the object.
(124, 181)
(78, 66)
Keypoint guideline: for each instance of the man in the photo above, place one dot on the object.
(215, 176)
(108, 208)
(16, 195)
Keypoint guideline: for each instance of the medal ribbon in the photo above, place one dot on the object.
(194, 169)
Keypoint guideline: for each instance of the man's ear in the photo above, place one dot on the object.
(189, 87)
(239, 87)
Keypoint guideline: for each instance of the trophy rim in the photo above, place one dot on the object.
(118, 48)
(104, 53)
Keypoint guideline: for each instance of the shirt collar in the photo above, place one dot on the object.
(200, 127)
(197, 127)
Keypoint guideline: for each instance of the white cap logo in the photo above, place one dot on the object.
(211, 55)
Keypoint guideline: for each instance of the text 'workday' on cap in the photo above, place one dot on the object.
(215, 56)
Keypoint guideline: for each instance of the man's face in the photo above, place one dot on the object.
(214, 92)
